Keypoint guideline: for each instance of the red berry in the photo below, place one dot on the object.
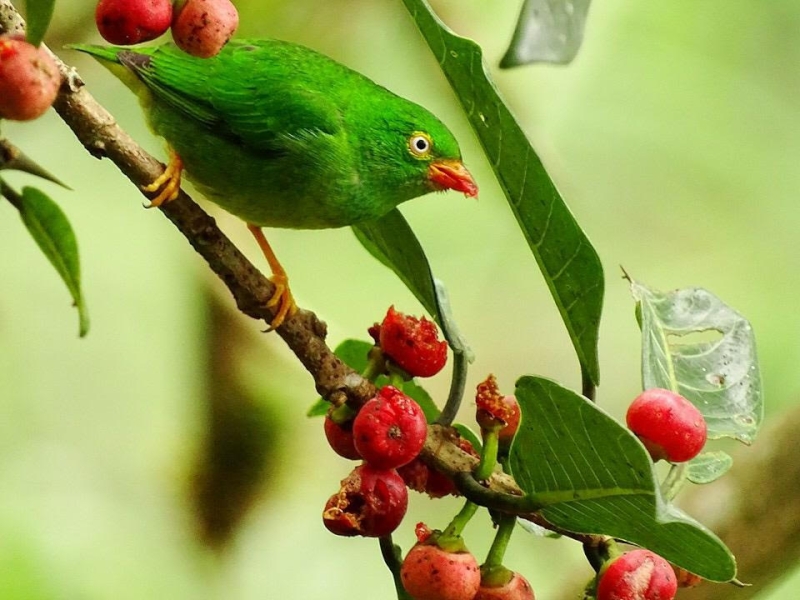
(669, 426)
(517, 588)
(132, 21)
(507, 433)
(422, 478)
(203, 27)
(29, 80)
(430, 573)
(637, 575)
(340, 438)
(371, 502)
(389, 430)
(413, 344)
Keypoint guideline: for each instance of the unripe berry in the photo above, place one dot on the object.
(389, 430)
(517, 588)
(669, 426)
(637, 575)
(132, 21)
(340, 438)
(412, 344)
(202, 27)
(371, 503)
(29, 80)
(430, 573)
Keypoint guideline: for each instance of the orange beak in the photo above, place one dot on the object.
(452, 175)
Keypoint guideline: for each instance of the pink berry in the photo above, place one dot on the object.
(430, 573)
(389, 430)
(517, 588)
(29, 80)
(637, 575)
(669, 426)
(202, 27)
(371, 503)
(132, 21)
(413, 344)
(340, 438)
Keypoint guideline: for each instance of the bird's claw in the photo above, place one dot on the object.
(283, 299)
(168, 184)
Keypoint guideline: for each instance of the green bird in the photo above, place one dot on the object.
(282, 136)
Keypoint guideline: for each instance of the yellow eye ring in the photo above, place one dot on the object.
(420, 144)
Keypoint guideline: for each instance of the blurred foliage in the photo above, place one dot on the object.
(673, 136)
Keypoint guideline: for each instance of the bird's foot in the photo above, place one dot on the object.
(168, 184)
(282, 299)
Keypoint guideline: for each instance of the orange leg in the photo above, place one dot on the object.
(282, 298)
(168, 184)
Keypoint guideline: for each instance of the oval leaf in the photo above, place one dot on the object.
(38, 14)
(547, 31)
(564, 254)
(694, 344)
(49, 227)
(593, 476)
(708, 467)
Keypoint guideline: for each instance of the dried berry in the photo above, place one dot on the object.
(132, 21)
(371, 502)
(431, 573)
(422, 478)
(412, 344)
(637, 575)
(29, 80)
(389, 430)
(669, 426)
(203, 27)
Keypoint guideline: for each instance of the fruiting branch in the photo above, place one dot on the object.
(96, 128)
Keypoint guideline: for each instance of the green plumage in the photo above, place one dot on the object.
(282, 136)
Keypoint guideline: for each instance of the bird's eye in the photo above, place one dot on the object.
(419, 144)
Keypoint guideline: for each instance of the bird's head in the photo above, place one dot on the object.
(413, 153)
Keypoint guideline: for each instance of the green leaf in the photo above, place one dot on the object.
(38, 14)
(354, 353)
(49, 227)
(593, 476)
(708, 467)
(391, 240)
(694, 344)
(564, 254)
(547, 31)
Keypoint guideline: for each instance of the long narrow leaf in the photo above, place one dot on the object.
(565, 256)
(49, 227)
(39, 14)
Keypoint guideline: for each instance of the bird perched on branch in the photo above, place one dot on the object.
(282, 136)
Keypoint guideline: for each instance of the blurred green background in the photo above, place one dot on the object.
(674, 137)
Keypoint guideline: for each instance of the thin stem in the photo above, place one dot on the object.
(488, 462)
(505, 527)
(458, 382)
(460, 520)
(396, 379)
(11, 195)
(391, 556)
(376, 365)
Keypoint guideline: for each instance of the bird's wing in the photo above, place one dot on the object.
(246, 93)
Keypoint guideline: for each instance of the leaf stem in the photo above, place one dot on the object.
(11, 195)
(674, 481)
(391, 556)
(458, 383)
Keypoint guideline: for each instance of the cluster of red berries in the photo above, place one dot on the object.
(29, 79)
(387, 433)
(199, 27)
